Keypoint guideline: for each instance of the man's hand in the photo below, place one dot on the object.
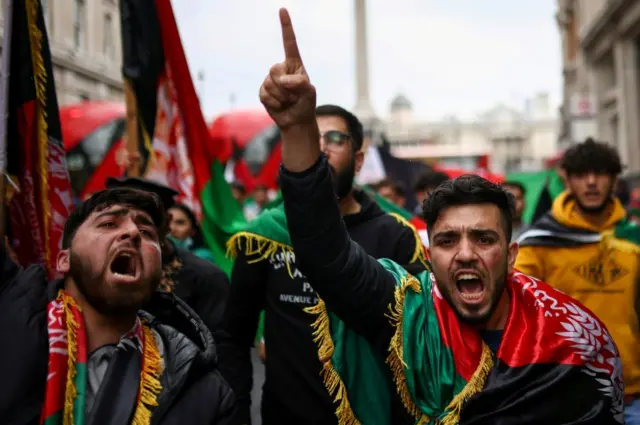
(287, 93)
(290, 99)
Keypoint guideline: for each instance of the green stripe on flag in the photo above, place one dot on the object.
(222, 216)
(535, 183)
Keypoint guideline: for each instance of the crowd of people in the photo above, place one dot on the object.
(497, 322)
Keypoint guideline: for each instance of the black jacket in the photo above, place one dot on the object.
(193, 391)
(294, 391)
(201, 284)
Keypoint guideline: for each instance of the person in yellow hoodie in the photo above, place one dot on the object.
(573, 248)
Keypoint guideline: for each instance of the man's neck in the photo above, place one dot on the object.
(500, 314)
(100, 329)
(349, 205)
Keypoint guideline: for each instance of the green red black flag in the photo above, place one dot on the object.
(173, 138)
(36, 162)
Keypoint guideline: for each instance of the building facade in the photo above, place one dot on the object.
(512, 139)
(85, 41)
(601, 69)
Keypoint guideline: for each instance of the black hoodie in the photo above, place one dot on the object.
(294, 391)
(193, 391)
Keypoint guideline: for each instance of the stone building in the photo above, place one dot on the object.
(601, 69)
(512, 139)
(85, 41)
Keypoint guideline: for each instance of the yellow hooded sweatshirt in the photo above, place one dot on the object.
(601, 277)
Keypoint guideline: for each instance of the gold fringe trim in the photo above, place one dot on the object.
(474, 386)
(609, 242)
(396, 349)
(332, 380)
(398, 366)
(256, 245)
(72, 348)
(418, 253)
(150, 385)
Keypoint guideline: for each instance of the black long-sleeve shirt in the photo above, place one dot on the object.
(353, 284)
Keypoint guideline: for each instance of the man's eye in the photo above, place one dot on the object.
(485, 240)
(107, 224)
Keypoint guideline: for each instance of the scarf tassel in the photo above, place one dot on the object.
(475, 385)
(396, 349)
(150, 385)
(258, 245)
(72, 347)
(330, 376)
(419, 251)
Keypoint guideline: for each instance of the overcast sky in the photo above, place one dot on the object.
(449, 57)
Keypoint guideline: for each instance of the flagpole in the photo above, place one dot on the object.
(4, 100)
(132, 130)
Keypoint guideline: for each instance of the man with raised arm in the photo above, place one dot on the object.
(470, 342)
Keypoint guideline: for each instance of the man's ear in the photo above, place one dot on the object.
(359, 160)
(63, 262)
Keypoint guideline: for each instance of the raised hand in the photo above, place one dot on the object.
(286, 93)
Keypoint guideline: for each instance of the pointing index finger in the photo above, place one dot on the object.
(289, 37)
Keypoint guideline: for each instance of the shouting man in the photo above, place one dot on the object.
(473, 341)
(103, 346)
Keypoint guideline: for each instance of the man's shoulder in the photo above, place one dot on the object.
(204, 267)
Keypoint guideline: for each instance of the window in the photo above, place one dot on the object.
(107, 41)
(78, 24)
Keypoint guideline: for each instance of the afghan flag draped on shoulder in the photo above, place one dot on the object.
(37, 184)
(556, 363)
(172, 133)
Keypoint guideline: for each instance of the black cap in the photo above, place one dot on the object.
(165, 193)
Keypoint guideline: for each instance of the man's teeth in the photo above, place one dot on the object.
(468, 276)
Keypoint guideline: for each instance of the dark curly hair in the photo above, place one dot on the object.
(469, 190)
(591, 157)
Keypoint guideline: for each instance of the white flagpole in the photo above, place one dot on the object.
(4, 101)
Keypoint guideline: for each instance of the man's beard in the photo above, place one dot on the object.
(500, 285)
(106, 300)
(343, 180)
(594, 209)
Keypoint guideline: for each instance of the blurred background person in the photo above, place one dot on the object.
(518, 191)
(185, 231)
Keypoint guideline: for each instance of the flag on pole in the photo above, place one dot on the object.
(36, 161)
(173, 134)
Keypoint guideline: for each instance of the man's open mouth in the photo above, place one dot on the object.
(470, 286)
(125, 265)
